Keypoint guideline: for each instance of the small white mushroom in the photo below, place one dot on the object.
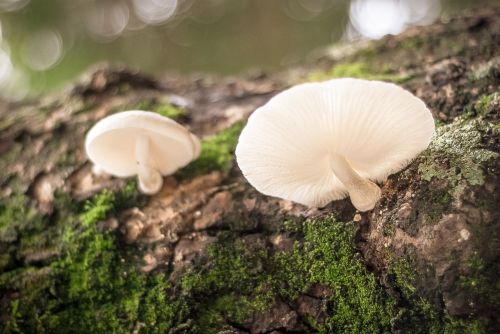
(141, 143)
(319, 142)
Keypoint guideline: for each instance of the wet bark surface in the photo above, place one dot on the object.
(87, 253)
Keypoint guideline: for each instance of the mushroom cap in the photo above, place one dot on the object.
(287, 145)
(111, 143)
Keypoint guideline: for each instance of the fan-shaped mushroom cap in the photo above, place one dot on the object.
(167, 146)
(289, 145)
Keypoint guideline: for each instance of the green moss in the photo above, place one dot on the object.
(162, 108)
(14, 212)
(11, 155)
(124, 89)
(412, 43)
(483, 106)
(487, 104)
(97, 208)
(97, 291)
(420, 315)
(170, 111)
(95, 287)
(216, 153)
(157, 310)
(67, 159)
(456, 154)
(89, 286)
(481, 279)
(359, 70)
(234, 274)
(438, 123)
(22, 231)
(328, 257)
(404, 273)
(388, 230)
(459, 326)
(454, 161)
(292, 226)
(246, 281)
(420, 311)
(418, 45)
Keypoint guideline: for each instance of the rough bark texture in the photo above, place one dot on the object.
(209, 254)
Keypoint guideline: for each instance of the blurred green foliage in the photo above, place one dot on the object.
(216, 152)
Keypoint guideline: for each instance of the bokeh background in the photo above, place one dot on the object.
(46, 43)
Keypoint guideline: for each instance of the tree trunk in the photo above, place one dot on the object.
(88, 253)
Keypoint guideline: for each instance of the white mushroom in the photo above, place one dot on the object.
(319, 142)
(143, 143)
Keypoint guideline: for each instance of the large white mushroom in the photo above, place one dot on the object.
(141, 143)
(319, 142)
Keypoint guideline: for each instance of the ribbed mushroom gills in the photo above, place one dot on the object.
(319, 142)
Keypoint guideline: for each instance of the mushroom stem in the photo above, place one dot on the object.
(150, 180)
(363, 193)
